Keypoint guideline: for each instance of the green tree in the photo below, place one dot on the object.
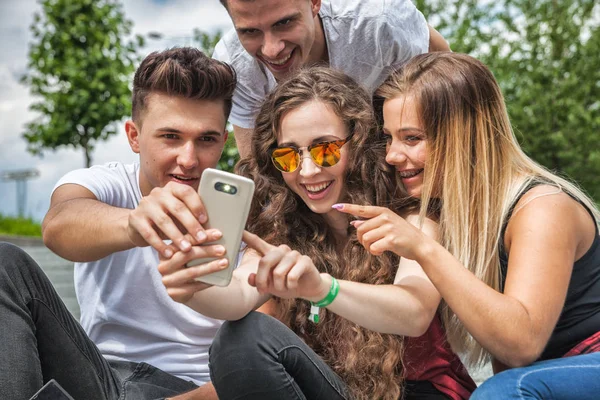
(80, 67)
(467, 25)
(546, 57)
(207, 42)
(550, 76)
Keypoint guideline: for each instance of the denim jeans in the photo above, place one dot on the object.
(576, 377)
(258, 357)
(40, 340)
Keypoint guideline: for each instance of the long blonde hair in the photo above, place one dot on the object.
(475, 167)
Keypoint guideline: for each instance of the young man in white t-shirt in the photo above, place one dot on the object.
(366, 39)
(134, 342)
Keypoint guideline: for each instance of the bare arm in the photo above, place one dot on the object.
(544, 239)
(437, 41)
(80, 228)
(204, 392)
(406, 307)
(243, 140)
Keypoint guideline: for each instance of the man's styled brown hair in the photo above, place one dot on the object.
(224, 2)
(184, 72)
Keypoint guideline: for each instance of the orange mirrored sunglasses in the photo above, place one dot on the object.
(324, 154)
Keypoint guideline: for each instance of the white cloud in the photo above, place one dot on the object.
(175, 19)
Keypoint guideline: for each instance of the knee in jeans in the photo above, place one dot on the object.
(245, 334)
(503, 385)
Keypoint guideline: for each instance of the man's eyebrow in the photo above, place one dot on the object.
(168, 129)
(205, 133)
(293, 16)
(212, 133)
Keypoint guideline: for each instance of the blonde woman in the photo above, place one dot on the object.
(518, 257)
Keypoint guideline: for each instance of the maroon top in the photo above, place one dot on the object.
(589, 345)
(429, 358)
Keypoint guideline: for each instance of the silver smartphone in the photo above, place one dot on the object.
(227, 198)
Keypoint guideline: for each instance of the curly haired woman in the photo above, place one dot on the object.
(342, 315)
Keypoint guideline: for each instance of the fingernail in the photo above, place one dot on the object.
(202, 218)
(217, 235)
(201, 236)
(223, 262)
(337, 206)
(168, 253)
(185, 245)
(219, 250)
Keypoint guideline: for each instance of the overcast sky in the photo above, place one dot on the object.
(175, 19)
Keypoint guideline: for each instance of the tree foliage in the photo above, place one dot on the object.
(546, 57)
(207, 42)
(81, 69)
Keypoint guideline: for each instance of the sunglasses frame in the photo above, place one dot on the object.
(298, 152)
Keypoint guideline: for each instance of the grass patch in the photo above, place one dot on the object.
(19, 226)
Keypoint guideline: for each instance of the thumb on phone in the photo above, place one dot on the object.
(256, 243)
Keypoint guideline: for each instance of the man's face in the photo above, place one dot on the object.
(178, 139)
(278, 33)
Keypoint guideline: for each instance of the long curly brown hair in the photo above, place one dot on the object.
(369, 362)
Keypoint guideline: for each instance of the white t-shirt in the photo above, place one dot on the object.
(365, 39)
(125, 308)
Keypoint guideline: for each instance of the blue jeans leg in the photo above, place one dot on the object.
(258, 357)
(567, 378)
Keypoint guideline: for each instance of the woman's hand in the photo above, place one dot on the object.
(284, 272)
(179, 280)
(379, 229)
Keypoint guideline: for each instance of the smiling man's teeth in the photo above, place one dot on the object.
(317, 188)
(183, 178)
(280, 62)
(410, 174)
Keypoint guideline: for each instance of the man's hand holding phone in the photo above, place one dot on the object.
(181, 281)
(174, 212)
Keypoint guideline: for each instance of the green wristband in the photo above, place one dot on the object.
(333, 292)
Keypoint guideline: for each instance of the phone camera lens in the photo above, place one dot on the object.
(225, 188)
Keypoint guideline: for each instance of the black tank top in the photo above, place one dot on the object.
(580, 317)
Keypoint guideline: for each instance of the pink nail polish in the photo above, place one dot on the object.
(337, 206)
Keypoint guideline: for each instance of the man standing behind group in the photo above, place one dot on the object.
(366, 39)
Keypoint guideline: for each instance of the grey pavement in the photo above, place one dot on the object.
(58, 270)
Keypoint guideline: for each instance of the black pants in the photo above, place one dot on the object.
(258, 357)
(40, 340)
